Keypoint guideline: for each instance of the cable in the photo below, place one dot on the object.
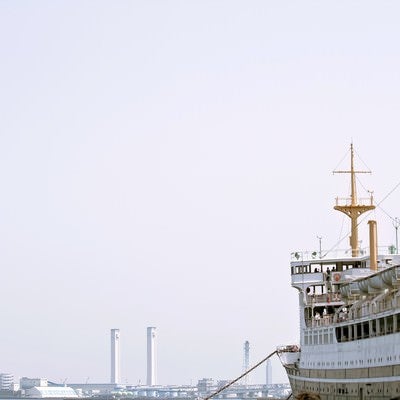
(240, 377)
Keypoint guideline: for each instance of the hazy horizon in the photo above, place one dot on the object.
(160, 161)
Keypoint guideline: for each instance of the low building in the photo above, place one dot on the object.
(28, 383)
(51, 392)
(205, 385)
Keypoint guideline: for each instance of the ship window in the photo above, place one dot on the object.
(338, 334)
(389, 324)
(366, 329)
(381, 325)
(373, 327)
(398, 322)
(345, 333)
(358, 334)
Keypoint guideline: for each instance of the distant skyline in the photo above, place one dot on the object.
(161, 160)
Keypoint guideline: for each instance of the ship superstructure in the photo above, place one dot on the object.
(349, 316)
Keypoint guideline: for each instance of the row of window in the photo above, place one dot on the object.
(318, 337)
(356, 331)
(351, 363)
(367, 329)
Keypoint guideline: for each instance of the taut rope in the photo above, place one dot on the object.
(239, 377)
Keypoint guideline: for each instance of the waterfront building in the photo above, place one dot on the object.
(28, 383)
(6, 381)
(50, 392)
(205, 385)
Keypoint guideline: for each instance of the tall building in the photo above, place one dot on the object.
(268, 372)
(6, 381)
(115, 356)
(151, 356)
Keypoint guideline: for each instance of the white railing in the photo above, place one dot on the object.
(346, 201)
(311, 255)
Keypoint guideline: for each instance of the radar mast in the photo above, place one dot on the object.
(352, 207)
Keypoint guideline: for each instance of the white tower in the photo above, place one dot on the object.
(268, 372)
(246, 360)
(115, 352)
(151, 356)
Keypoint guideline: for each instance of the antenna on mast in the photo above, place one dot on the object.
(352, 207)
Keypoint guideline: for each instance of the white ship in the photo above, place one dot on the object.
(349, 317)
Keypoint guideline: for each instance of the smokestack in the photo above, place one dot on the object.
(373, 246)
(268, 372)
(151, 356)
(115, 353)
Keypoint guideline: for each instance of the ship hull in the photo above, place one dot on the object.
(358, 384)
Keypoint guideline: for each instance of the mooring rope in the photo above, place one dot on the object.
(239, 377)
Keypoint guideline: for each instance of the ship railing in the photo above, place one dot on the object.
(311, 255)
(363, 310)
(374, 307)
(347, 201)
(290, 348)
(324, 298)
(319, 320)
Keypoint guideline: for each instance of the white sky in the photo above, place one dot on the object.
(160, 160)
